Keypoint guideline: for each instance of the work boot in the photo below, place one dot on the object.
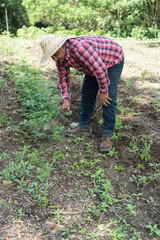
(106, 144)
(77, 131)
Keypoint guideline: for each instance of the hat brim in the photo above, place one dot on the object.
(45, 57)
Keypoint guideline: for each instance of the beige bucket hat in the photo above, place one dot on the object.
(50, 45)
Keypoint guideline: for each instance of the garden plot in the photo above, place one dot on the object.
(54, 187)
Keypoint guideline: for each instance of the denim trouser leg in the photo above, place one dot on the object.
(89, 92)
(88, 99)
(109, 112)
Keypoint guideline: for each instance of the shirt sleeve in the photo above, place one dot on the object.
(64, 81)
(87, 55)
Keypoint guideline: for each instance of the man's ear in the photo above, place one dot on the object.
(63, 46)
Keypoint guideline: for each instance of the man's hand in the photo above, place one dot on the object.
(66, 105)
(104, 99)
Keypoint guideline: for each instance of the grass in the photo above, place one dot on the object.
(39, 171)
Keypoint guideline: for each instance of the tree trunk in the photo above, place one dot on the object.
(6, 20)
(119, 23)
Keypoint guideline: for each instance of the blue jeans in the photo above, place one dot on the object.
(89, 93)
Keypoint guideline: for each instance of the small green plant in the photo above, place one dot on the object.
(90, 147)
(79, 139)
(118, 232)
(142, 180)
(94, 211)
(129, 83)
(131, 209)
(45, 172)
(58, 217)
(5, 119)
(145, 152)
(103, 187)
(112, 152)
(118, 168)
(133, 178)
(100, 121)
(21, 213)
(120, 108)
(67, 232)
(140, 166)
(143, 75)
(153, 229)
(118, 125)
(117, 135)
(134, 149)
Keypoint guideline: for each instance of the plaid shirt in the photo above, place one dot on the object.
(92, 55)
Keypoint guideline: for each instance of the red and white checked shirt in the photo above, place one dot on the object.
(91, 55)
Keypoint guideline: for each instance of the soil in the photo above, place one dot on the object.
(40, 223)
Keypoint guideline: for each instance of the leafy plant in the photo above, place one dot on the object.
(145, 152)
(5, 119)
(112, 152)
(118, 125)
(67, 233)
(131, 209)
(129, 83)
(21, 213)
(118, 168)
(153, 229)
(143, 75)
(134, 148)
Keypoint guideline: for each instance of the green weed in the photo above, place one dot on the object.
(67, 232)
(112, 152)
(143, 75)
(129, 82)
(79, 139)
(100, 121)
(6, 120)
(118, 125)
(103, 186)
(58, 217)
(118, 168)
(145, 152)
(131, 209)
(21, 213)
(153, 229)
(134, 148)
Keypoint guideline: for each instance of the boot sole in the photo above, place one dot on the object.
(105, 150)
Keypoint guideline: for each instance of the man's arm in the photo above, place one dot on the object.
(64, 81)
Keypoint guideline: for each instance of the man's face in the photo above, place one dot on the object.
(59, 55)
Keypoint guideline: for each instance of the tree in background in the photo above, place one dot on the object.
(118, 18)
(13, 15)
(153, 13)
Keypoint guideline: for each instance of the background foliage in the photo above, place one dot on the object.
(122, 18)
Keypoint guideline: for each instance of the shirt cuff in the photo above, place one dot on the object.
(103, 92)
(67, 99)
